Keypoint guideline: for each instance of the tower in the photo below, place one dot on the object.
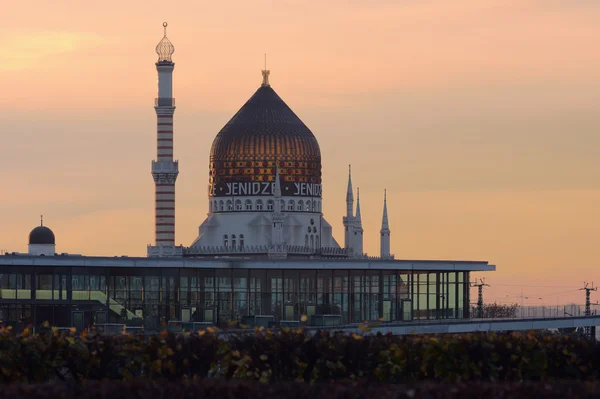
(349, 218)
(385, 231)
(165, 169)
(358, 229)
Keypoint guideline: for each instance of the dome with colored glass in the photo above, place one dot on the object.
(263, 135)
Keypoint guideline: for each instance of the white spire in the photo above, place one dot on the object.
(349, 195)
(357, 217)
(277, 189)
(384, 220)
(277, 249)
(349, 218)
(385, 231)
(358, 230)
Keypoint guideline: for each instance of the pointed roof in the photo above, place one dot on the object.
(384, 221)
(277, 190)
(358, 220)
(349, 192)
(265, 127)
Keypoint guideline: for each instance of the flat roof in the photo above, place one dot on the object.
(231, 262)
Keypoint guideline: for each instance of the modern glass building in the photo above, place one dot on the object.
(80, 291)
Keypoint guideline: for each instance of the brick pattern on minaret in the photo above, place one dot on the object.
(165, 169)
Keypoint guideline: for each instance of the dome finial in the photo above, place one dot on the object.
(165, 48)
(41, 220)
(265, 74)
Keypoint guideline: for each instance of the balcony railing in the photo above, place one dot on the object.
(164, 102)
(165, 166)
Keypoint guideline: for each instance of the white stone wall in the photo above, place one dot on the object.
(42, 249)
(248, 221)
(263, 203)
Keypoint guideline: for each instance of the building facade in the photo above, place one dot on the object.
(82, 291)
(264, 251)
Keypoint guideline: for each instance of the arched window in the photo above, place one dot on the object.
(270, 205)
(314, 206)
(238, 205)
(308, 205)
(229, 205)
(282, 202)
(318, 242)
(248, 205)
(312, 242)
(300, 205)
(259, 205)
(319, 205)
(291, 205)
(221, 206)
(225, 241)
(233, 243)
(241, 241)
(306, 241)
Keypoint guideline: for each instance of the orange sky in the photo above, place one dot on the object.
(480, 117)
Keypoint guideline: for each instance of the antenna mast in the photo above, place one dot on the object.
(588, 291)
(480, 286)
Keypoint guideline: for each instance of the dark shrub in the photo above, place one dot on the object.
(292, 355)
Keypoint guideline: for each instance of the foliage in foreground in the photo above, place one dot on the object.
(494, 310)
(294, 355)
(218, 389)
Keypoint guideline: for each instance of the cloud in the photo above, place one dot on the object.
(28, 50)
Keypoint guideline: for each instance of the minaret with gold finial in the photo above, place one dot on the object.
(164, 169)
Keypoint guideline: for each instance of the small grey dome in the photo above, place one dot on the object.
(41, 235)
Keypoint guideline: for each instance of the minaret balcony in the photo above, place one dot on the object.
(164, 102)
(168, 167)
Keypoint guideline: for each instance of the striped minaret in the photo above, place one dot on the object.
(165, 169)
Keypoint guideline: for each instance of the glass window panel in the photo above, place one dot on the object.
(44, 287)
(8, 281)
(240, 289)
(224, 294)
(461, 300)
(23, 286)
(432, 295)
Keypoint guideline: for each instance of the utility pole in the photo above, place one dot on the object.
(589, 331)
(480, 286)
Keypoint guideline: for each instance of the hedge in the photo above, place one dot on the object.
(294, 355)
(218, 389)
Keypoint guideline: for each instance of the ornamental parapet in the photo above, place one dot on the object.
(391, 257)
(170, 167)
(265, 249)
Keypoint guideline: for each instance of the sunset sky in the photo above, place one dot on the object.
(480, 117)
